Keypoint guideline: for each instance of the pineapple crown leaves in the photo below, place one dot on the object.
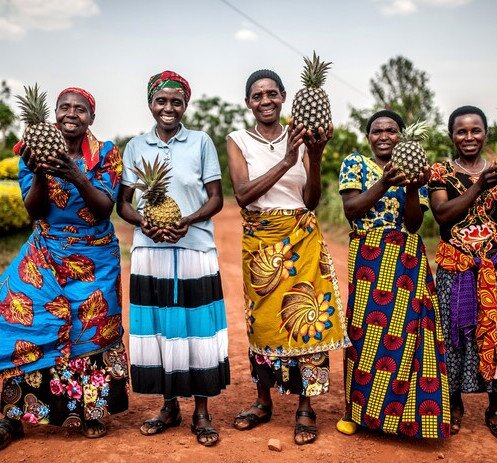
(152, 178)
(415, 132)
(34, 108)
(314, 73)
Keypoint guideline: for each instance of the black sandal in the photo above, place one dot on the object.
(202, 432)
(157, 425)
(304, 428)
(491, 426)
(93, 429)
(252, 419)
(10, 430)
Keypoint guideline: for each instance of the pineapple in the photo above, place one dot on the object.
(408, 154)
(160, 210)
(311, 105)
(43, 138)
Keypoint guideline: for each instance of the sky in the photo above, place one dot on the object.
(112, 47)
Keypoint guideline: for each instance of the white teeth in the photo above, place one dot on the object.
(167, 119)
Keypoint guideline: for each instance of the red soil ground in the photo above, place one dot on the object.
(124, 443)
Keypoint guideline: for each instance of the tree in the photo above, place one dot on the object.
(218, 118)
(402, 88)
(7, 116)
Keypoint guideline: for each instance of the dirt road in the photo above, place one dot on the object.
(124, 443)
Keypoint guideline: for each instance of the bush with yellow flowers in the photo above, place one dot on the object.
(9, 168)
(13, 214)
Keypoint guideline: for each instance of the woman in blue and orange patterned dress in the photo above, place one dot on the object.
(61, 356)
(463, 194)
(395, 372)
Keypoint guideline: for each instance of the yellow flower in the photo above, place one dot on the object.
(90, 392)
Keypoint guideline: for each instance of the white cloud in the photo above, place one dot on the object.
(406, 7)
(18, 17)
(245, 34)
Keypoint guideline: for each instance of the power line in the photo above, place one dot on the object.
(287, 44)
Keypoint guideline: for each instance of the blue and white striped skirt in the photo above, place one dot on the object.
(178, 333)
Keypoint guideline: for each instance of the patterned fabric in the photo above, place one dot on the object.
(80, 91)
(451, 259)
(307, 375)
(361, 173)
(178, 334)
(395, 371)
(60, 298)
(167, 79)
(292, 303)
(82, 388)
(476, 233)
(462, 363)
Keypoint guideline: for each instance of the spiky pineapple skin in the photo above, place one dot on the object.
(311, 107)
(44, 139)
(164, 213)
(410, 157)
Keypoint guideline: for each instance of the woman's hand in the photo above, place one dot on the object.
(29, 159)
(392, 176)
(315, 147)
(63, 167)
(295, 139)
(488, 178)
(177, 231)
(154, 233)
(416, 183)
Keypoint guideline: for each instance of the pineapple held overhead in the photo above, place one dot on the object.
(408, 154)
(43, 138)
(311, 105)
(160, 210)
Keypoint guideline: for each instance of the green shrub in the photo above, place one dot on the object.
(13, 214)
(5, 153)
(9, 168)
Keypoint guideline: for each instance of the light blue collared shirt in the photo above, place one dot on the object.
(193, 158)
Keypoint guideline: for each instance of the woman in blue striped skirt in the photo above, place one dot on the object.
(178, 334)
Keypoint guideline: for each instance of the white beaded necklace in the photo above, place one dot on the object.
(469, 172)
(270, 143)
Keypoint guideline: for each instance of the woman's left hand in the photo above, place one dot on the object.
(177, 231)
(63, 167)
(315, 146)
(416, 183)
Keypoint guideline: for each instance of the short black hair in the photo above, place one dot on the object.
(462, 111)
(263, 74)
(385, 113)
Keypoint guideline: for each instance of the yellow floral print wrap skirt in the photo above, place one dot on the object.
(292, 301)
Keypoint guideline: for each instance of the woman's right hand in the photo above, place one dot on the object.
(154, 233)
(29, 159)
(392, 176)
(488, 178)
(295, 139)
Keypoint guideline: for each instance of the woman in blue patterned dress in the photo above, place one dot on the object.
(395, 373)
(61, 355)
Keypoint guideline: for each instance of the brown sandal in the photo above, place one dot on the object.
(305, 429)
(252, 419)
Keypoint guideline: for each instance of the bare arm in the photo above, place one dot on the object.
(413, 213)
(213, 205)
(246, 190)
(312, 163)
(99, 204)
(356, 203)
(447, 211)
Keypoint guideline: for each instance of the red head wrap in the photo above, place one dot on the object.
(164, 80)
(87, 95)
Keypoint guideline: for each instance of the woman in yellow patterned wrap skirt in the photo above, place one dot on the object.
(292, 306)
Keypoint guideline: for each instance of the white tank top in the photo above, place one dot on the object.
(287, 192)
